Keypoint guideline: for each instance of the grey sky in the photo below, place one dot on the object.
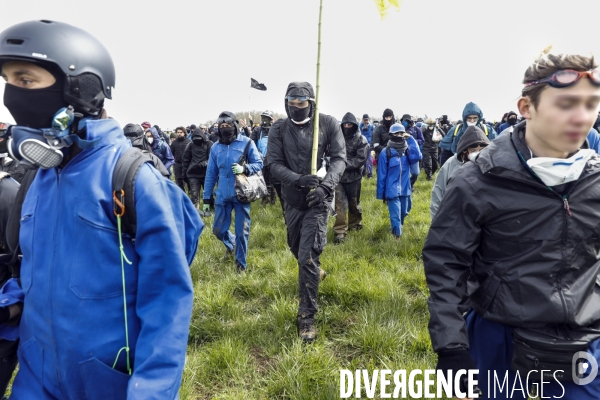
(182, 62)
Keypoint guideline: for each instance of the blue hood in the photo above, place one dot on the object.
(470, 109)
(155, 134)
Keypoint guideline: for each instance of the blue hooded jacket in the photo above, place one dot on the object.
(73, 325)
(450, 141)
(367, 131)
(393, 177)
(162, 150)
(221, 158)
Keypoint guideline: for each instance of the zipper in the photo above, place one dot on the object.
(566, 203)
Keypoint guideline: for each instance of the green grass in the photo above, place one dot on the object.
(373, 313)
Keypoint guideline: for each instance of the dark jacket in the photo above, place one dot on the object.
(357, 149)
(289, 152)
(12, 167)
(161, 149)
(531, 252)
(195, 157)
(416, 132)
(178, 147)
(381, 135)
(143, 145)
(429, 146)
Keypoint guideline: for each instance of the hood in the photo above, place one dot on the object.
(349, 118)
(472, 135)
(197, 133)
(140, 143)
(472, 109)
(300, 89)
(155, 134)
(230, 115)
(511, 113)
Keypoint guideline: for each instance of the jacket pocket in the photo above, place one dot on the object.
(96, 274)
(31, 357)
(101, 382)
(484, 295)
(26, 242)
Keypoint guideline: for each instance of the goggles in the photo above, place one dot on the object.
(568, 77)
(477, 146)
(226, 120)
(298, 98)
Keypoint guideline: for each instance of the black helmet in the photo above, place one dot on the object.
(267, 114)
(87, 65)
(133, 130)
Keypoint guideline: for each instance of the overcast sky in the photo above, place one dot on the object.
(180, 62)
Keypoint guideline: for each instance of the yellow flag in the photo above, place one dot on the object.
(384, 5)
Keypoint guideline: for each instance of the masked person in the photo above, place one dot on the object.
(347, 191)
(195, 164)
(511, 120)
(8, 164)
(178, 146)
(430, 148)
(469, 146)
(260, 135)
(366, 129)
(472, 116)
(223, 165)
(393, 175)
(93, 326)
(160, 148)
(135, 134)
(381, 134)
(306, 197)
(516, 239)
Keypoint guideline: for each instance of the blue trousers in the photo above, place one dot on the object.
(398, 209)
(368, 165)
(242, 228)
(491, 346)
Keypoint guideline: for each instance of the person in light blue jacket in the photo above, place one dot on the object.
(106, 315)
(223, 165)
(393, 175)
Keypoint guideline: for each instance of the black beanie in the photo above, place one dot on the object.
(388, 113)
(366, 116)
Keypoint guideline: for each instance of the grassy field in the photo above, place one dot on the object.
(373, 313)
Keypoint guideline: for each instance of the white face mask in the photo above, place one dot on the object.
(471, 123)
(558, 171)
(150, 139)
(472, 156)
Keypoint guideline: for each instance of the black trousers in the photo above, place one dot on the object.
(347, 201)
(430, 162)
(307, 237)
(178, 169)
(8, 362)
(195, 184)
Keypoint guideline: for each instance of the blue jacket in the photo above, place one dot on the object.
(220, 160)
(367, 131)
(393, 177)
(594, 140)
(162, 150)
(417, 134)
(450, 141)
(72, 327)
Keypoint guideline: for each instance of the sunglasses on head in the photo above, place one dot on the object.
(568, 77)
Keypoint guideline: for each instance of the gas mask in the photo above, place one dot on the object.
(45, 148)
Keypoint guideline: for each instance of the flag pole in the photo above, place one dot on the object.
(313, 168)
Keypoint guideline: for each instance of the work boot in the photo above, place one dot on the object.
(229, 254)
(306, 330)
(339, 238)
(322, 275)
(240, 269)
(265, 201)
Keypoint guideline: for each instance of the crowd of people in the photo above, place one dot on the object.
(511, 257)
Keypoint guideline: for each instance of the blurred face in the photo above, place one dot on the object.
(180, 133)
(388, 118)
(562, 119)
(347, 126)
(472, 118)
(26, 75)
(365, 121)
(149, 135)
(298, 103)
(225, 125)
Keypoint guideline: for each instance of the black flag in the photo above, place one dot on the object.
(254, 84)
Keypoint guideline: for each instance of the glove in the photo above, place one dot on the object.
(237, 169)
(206, 207)
(203, 164)
(455, 360)
(316, 196)
(384, 201)
(308, 181)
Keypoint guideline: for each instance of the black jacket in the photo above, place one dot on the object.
(143, 145)
(429, 145)
(14, 168)
(178, 147)
(381, 135)
(357, 149)
(531, 252)
(290, 151)
(195, 158)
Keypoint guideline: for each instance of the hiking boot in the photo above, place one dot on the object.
(306, 330)
(428, 177)
(322, 275)
(339, 239)
(355, 227)
(229, 254)
(264, 201)
(240, 269)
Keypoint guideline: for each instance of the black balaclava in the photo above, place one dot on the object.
(388, 113)
(198, 140)
(349, 132)
(35, 108)
(511, 119)
(228, 135)
(299, 114)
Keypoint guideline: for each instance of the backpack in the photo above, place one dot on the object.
(262, 144)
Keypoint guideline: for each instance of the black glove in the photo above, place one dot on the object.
(208, 201)
(308, 181)
(316, 196)
(455, 360)
(384, 201)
